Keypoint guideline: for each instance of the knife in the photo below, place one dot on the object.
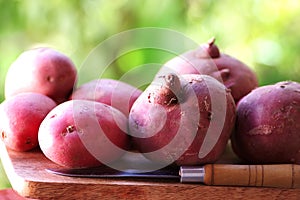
(275, 175)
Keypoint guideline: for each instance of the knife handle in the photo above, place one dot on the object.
(277, 175)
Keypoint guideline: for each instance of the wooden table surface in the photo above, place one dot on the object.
(28, 177)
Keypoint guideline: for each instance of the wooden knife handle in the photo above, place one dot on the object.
(281, 175)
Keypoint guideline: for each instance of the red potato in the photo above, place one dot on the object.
(81, 133)
(207, 59)
(41, 70)
(20, 117)
(115, 93)
(268, 124)
(186, 120)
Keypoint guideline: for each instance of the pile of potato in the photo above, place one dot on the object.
(195, 104)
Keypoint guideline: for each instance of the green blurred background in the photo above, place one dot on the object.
(264, 34)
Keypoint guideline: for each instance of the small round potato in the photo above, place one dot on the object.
(41, 70)
(82, 133)
(115, 93)
(20, 118)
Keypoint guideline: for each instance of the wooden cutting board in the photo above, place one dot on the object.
(28, 177)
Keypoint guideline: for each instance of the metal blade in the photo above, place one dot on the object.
(107, 172)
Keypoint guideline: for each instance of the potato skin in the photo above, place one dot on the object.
(268, 124)
(76, 134)
(115, 93)
(20, 117)
(154, 123)
(41, 70)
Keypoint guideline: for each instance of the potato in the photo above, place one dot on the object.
(82, 133)
(41, 70)
(20, 117)
(186, 120)
(111, 92)
(268, 124)
(208, 60)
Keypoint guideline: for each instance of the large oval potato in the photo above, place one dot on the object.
(268, 124)
(207, 59)
(20, 118)
(82, 133)
(186, 120)
(41, 70)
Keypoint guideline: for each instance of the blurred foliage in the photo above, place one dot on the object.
(262, 33)
(4, 183)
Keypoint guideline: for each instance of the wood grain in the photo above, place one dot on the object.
(275, 175)
(26, 172)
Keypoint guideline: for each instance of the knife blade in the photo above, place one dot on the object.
(169, 172)
(275, 175)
